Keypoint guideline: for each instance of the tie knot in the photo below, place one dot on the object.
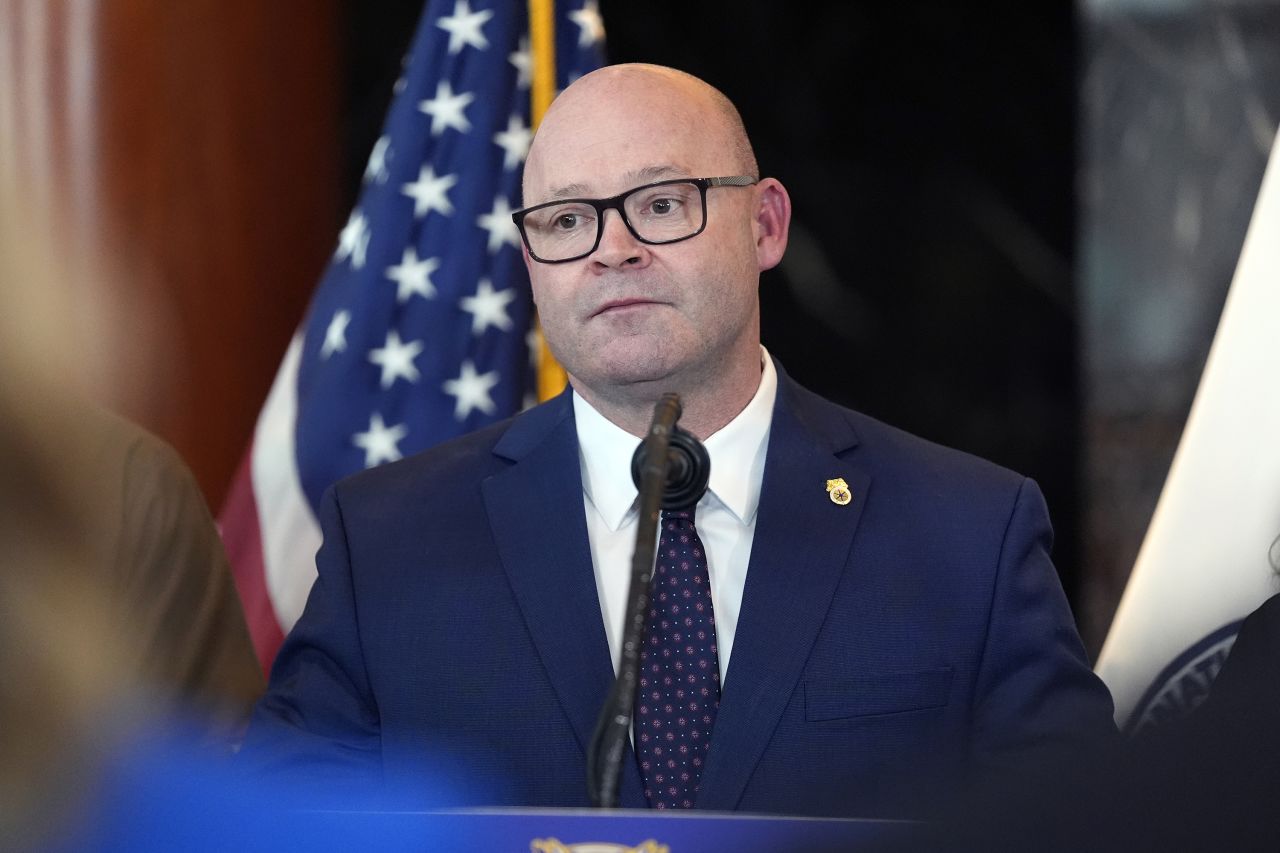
(677, 514)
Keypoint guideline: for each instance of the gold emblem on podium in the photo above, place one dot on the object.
(554, 845)
(838, 489)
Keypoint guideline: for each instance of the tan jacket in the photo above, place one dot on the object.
(154, 536)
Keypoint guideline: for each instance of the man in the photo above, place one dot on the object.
(883, 616)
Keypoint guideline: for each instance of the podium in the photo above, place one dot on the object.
(606, 831)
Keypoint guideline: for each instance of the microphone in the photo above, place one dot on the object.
(671, 469)
(687, 472)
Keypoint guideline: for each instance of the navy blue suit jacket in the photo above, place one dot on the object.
(884, 649)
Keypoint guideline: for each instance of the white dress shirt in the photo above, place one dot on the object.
(725, 517)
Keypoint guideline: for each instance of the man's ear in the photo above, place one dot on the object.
(772, 222)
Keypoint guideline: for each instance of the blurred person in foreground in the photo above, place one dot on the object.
(895, 623)
(125, 667)
(142, 522)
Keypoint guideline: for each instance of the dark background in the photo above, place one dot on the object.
(930, 154)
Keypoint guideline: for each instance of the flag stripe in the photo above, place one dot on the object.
(244, 551)
(290, 534)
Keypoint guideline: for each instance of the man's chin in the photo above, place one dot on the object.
(633, 379)
(632, 358)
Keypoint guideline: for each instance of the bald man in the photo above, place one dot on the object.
(848, 623)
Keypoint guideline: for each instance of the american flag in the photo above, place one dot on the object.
(421, 327)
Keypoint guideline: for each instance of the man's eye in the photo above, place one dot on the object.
(567, 221)
(662, 206)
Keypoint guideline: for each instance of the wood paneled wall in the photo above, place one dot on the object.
(194, 145)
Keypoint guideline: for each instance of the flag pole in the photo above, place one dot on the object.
(542, 44)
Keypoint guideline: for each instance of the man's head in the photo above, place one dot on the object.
(631, 320)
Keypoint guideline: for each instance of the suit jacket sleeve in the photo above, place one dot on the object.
(1036, 697)
(318, 723)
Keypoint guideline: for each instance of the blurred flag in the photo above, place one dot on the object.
(1204, 564)
(420, 329)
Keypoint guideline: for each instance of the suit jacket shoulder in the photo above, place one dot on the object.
(885, 449)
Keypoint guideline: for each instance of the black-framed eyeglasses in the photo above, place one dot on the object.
(662, 212)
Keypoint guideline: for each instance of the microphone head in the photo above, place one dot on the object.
(688, 470)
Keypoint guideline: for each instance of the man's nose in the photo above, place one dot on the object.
(618, 246)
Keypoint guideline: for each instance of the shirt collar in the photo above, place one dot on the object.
(737, 452)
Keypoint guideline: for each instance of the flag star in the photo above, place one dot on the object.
(353, 242)
(447, 109)
(522, 59)
(430, 192)
(464, 27)
(591, 26)
(395, 358)
(381, 442)
(499, 225)
(488, 307)
(413, 275)
(377, 168)
(472, 390)
(514, 142)
(335, 336)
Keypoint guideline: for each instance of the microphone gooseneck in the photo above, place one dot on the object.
(671, 469)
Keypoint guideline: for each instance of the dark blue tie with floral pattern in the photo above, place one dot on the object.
(679, 687)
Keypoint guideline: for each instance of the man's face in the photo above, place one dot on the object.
(631, 315)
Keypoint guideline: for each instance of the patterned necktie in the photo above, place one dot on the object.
(679, 688)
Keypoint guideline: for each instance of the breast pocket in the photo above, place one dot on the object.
(876, 693)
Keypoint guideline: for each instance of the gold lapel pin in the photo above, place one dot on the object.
(838, 489)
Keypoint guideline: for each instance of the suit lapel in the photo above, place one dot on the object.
(801, 545)
(536, 515)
